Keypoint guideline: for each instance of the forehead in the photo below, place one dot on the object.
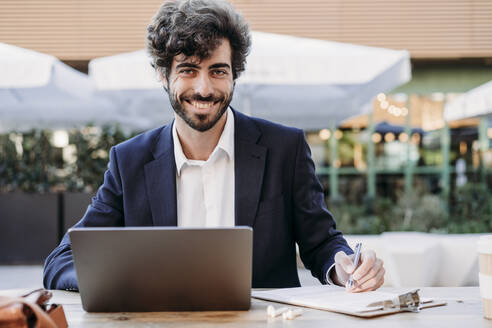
(221, 54)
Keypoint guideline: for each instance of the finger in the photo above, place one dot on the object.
(345, 262)
(368, 258)
(354, 289)
(372, 288)
(372, 273)
(370, 284)
(373, 283)
(380, 283)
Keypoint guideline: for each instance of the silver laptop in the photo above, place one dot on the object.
(163, 269)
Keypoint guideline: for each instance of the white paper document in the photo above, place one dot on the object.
(336, 299)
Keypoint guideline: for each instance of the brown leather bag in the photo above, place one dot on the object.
(31, 310)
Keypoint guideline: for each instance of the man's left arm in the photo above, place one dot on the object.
(320, 244)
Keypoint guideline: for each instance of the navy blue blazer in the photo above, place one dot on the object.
(276, 193)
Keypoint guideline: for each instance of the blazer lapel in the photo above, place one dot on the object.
(160, 178)
(249, 162)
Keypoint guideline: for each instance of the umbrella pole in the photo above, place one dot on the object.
(334, 195)
(445, 142)
(484, 146)
(408, 163)
(371, 172)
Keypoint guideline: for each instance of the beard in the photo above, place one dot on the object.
(200, 122)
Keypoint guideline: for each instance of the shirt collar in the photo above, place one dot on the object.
(179, 156)
(226, 143)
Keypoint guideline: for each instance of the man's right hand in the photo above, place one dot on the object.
(369, 274)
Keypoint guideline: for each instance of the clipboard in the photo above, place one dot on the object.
(336, 299)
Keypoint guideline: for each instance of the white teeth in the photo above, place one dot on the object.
(202, 105)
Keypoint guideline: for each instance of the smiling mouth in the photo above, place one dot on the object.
(201, 104)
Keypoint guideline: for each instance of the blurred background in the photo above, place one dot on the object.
(394, 96)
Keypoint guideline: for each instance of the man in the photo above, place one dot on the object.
(213, 166)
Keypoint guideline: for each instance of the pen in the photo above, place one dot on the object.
(356, 262)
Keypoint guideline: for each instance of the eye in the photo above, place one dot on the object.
(219, 72)
(186, 71)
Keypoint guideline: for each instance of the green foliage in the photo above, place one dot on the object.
(30, 163)
(92, 148)
(409, 213)
(346, 148)
(420, 213)
(369, 218)
(8, 163)
(470, 212)
(472, 209)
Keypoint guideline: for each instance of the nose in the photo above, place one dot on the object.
(203, 85)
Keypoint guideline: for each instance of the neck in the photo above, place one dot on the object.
(198, 145)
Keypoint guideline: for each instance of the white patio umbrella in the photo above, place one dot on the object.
(39, 91)
(301, 82)
(474, 103)
(129, 81)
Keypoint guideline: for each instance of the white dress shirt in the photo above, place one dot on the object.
(205, 189)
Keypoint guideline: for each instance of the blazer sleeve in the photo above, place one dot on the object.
(315, 227)
(106, 210)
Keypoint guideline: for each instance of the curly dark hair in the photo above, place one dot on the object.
(195, 28)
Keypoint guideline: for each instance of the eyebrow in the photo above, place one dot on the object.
(187, 65)
(191, 65)
(220, 65)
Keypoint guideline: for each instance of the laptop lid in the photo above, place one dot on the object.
(142, 269)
